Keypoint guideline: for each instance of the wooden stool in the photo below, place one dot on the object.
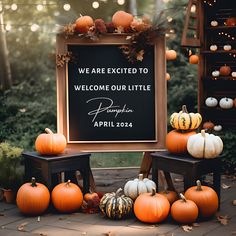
(191, 168)
(47, 166)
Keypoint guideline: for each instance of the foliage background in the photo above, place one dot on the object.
(30, 105)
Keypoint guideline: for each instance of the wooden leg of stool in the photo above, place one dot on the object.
(146, 164)
(91, 181)
(169, 181)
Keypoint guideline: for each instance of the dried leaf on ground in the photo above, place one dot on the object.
(224, 220)
(21, 227)
(187, 228)
(110, 233)
(224, 186)
(234, 202)
(38, 219)
(43, 234)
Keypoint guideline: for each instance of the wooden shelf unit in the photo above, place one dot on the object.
(222, 86)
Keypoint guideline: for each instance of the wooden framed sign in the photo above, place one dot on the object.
(105, 102)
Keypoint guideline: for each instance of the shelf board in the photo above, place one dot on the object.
(221, 27)
(218, 109)
(218, 52)
(220, 78)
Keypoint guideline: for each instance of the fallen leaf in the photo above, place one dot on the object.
(234, 202)
(21, 227)
(38, 219)
(110, 233)
(187, 228)
(139, 55)
(224, 186)
(223, 219)
(42, 234)
(128, 37)
(120, 30)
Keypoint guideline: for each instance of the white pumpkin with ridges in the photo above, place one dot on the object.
(226, 103)
(211, 102)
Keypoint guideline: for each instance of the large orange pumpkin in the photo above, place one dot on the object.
(172, 196)
(205, 198)
(176, 141)
(67, 197)
(231, 21)
(171, 55)
(193, 59)
(50, 143)
(184, 211)
(33, 198)
(151, 207)
(225, 70)
(122, 19)
(83, 23)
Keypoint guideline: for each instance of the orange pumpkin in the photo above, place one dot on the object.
(33, 198)
(208, 125)
(171, 55)
(235, 102)
(83, 23)
(176, 142)
(167, 76)
(170, 195)
(205, 197)
(225, 70)
(193, 59)
(122, 19)
(231, 21)
(151, 207)
(50, 143)
(67, 197)
(184, 211)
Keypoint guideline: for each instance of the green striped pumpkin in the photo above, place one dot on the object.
(184, 120)
(116, 206)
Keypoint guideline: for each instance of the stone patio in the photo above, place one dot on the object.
(13, 223)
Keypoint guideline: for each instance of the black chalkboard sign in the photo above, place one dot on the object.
(110, 99)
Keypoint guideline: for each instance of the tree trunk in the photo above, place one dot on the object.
(132, 7)
(5, 69)
(159, 6)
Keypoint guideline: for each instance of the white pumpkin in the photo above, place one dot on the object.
(215, 73)
(217, 128)
(211, 102)
(227, 47)
(133, 188)
(233, 74)
(226, 103)
(214, 23)
(204, 145)
(213, 47)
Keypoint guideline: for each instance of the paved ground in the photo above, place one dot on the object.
(13, 223)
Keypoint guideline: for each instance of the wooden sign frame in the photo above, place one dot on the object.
(160, 97)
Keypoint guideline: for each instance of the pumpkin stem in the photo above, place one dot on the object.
(203, 133)
(33, 182)
(199, 185)
(153, 192)
(118, 191)
(182, 197)
(184, 109)
(140, 177)
(48, 131)
(68, 182)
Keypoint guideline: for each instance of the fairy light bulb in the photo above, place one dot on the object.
(8, 27)
(39, 7)
(14, 7)
(95, 5)
(66, 7)
(121, 2)
(34, 27)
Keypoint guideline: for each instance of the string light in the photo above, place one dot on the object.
(66, 7)
(210, 2)
(169, 19)
(34, 27)
(39, 7)
(14, 7)
(95, 5)
(193, 8)
(121, 2)
(8, 27)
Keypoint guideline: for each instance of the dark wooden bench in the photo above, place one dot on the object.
(46, 168)
(191, 168)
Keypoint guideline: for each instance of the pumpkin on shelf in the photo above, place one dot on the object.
(167, 76)
(171, 196)
(116, 206)
(214, 23)
(226, 103)
(67, 197)
(171, 55)
(233, 74)
(227, 47)
(231, 21)
(133, 188)
(176, 141)
(83, 24)
(193, 59)
(215, 73)
(33, 198)
(205, 197)
(184, 120)
(225, 70)
(50, 143)
(213, 48)
(208, 125)
(235, 102)
(217, 128)
(151, 207)
(184, 211)
(211, 102)
(204, 145)
(122, 19)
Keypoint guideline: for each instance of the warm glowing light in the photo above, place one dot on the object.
(14, 7)
(34, 27)
(66, 7)
(121, 2)
(95, 5)
(8, 27)
(39, 7)
(193, 8)
(169, 18)
(165, 1)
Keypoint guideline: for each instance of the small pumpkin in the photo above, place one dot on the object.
(225, 70)
(226, 103)
(83, 24)
(171, 196)
(133, 188)
(33, 198)
(235, 102)
(193, 59)
(176, 141)
(204, 145)
(205, 197)
(184, 120)
(67, 197)
(167, 76)
(213, 48)
(208, 125)
(184, 211)
(50, 143)
(231, 21)
(214, 23)
(122, 19)
(171, 55)
(227, 47)
(151, 207)
(217, 128)
(115, 206)
(211, 102)
(215, 73)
